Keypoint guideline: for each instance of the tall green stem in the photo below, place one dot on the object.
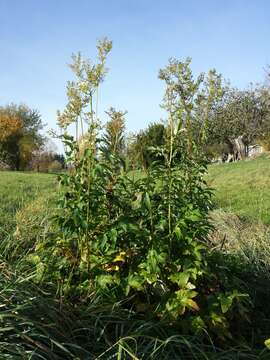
(89, 165)
(169, 167)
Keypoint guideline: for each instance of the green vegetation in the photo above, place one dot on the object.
(225, 121)
(241, 188)
(245, 240)
(135, 267)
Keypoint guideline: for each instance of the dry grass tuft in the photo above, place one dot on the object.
(232, 235)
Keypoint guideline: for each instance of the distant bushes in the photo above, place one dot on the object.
(265, 142)
(47, 161)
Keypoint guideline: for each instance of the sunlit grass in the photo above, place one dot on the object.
(18, 189)
(243, 188)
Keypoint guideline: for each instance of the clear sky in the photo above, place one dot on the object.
(37, 38)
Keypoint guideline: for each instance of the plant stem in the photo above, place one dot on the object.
(169, 167)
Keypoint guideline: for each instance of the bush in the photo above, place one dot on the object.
(265, 142)
(55, 166)
(137, 247)
(138, 242)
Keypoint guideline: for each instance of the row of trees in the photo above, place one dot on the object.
(214, 114)
(241, 114)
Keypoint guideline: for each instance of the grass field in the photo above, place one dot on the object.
(243, 188)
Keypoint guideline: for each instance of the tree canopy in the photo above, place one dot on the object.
(19, 135)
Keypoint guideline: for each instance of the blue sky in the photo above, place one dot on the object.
(37, 38)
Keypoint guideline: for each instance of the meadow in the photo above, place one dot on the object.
(241, 188)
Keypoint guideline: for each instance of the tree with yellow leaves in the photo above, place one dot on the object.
(19, 135)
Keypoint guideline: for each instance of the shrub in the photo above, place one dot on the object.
(138, 242)
(265, 142)
(55, 166)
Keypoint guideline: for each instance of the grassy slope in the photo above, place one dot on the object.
(243, 188)
(17, 189)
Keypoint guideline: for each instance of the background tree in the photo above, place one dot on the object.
(61, 159)
(10, 134)
(242, 114)
(140, 146)
(20, 136)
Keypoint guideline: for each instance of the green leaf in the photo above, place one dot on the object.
(194, 216)
(225, 303)
(181, 278)
(147, 201)
(136, 282)
(193, 305)
(104, 280)
(178, 232)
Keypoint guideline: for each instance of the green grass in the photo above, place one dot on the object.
(243, 188)
(17, 189)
